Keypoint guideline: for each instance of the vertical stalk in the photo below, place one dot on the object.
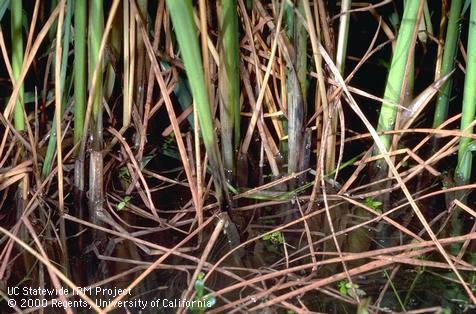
(185, 30)
(463, 170)
(466, 146)
(79, 68)
(448, 62)
(343, 35)
(296, 86)
(126, 107)
(329, 117)
(229, 82)
(195, 124)
(18, 116)
(398, 78)
(202, 6)
(96, 29)
(80, 88)
(341, 212)
(61, 79)
(16, 8)
(396, 75)
(334, 106)
(115, 45)
(141, 65)
(59, 85)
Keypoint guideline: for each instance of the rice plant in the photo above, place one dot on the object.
(229, 83)
(448, 61)
(181, 14)
(16, 9)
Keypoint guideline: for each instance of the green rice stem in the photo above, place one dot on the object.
(80, 59)
(448, 62)
(50, 151)
(96, 32)
(16, 8)
(186, 33)
(463, 170)
(229, 82)
(396, 75)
